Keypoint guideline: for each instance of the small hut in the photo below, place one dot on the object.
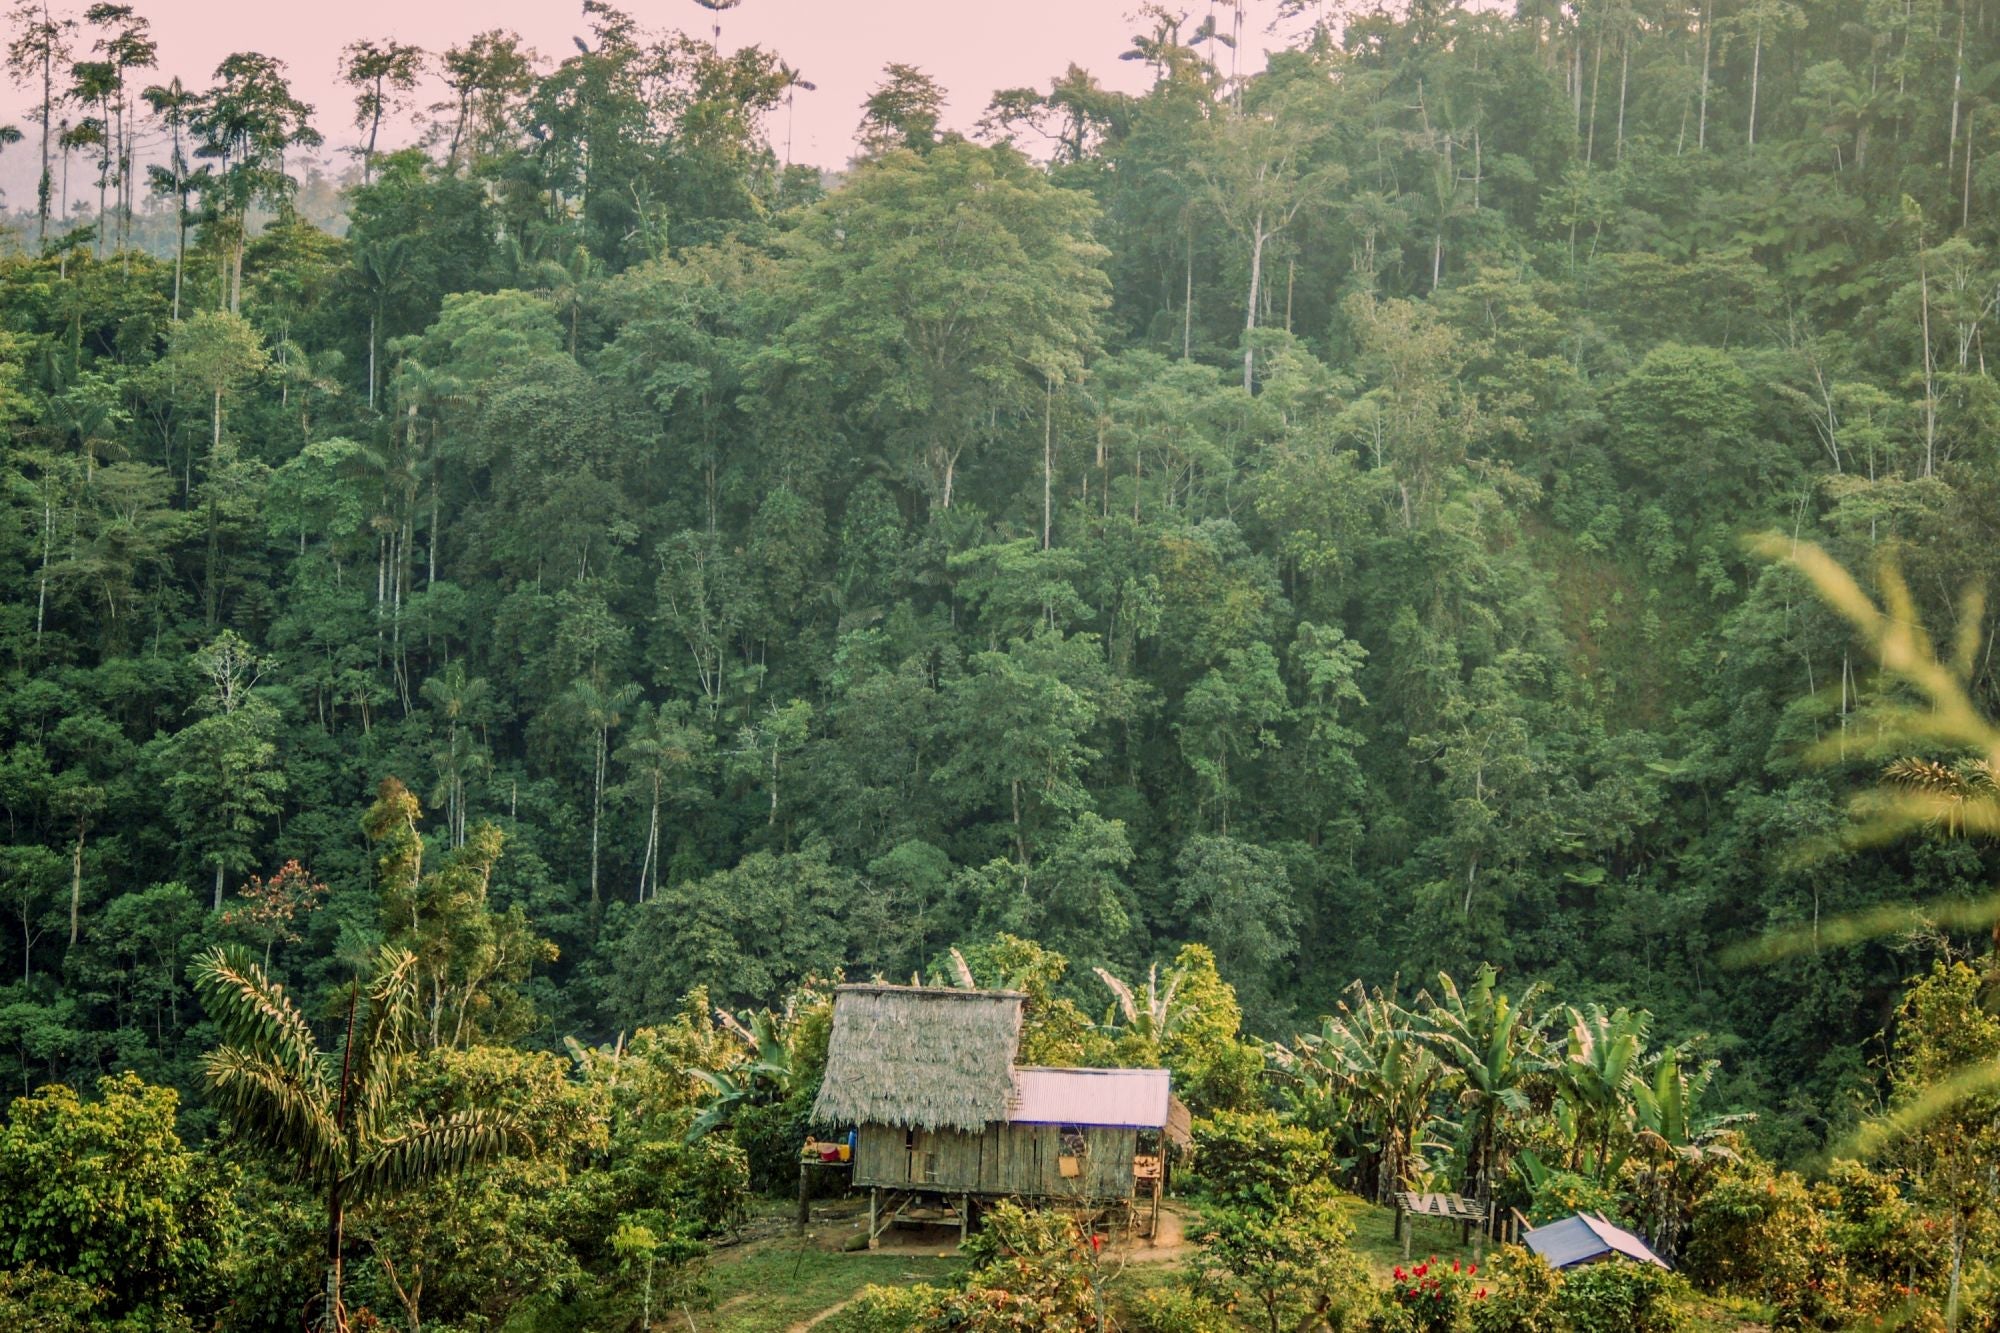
(943, 1116)
(1587, 1238)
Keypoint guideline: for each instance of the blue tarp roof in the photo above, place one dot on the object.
(1583, 1238)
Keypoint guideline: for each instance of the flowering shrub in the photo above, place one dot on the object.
(1436, 1298)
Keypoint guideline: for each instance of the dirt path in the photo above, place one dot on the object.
(805, 1325)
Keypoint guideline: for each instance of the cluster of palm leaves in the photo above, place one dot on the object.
(1942, 779)
(1455, 1088)
(338, 1117)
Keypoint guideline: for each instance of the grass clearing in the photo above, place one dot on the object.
(779, 1281)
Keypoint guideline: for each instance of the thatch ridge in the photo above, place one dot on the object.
(920, 1057)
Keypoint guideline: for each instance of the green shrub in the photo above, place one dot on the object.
(770, 1136)
(1253, 1158)
(1757, 1233)
(886, 1310)
(1521, 1294)
(1177, 1310)
(1564, 1192)
(1619, 1297)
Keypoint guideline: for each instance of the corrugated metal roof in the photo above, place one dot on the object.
(1108, 1098)
(1582, 1238)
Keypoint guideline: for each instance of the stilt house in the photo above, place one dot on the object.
(927, 1079)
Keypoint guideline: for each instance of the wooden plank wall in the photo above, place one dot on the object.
(1004, 1159)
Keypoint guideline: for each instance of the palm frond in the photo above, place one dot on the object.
(252, 1012)
(262, 1101)
(429, 1150)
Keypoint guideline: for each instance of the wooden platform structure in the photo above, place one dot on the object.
(1445, 1207)
(944, 1118)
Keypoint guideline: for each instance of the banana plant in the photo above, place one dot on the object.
(1370, 1059)
(1679, 1145)
(1493, 1046)
(1595, 1075)
(1148, 1012)
(765, 1075)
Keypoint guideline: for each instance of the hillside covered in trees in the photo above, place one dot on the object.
(1298, 511)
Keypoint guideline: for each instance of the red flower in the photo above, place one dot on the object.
(1399, 1272)
(1471, 1269)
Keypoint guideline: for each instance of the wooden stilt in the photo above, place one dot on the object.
(964, 1216)
(874, 1213)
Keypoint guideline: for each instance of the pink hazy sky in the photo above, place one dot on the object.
(971, 47)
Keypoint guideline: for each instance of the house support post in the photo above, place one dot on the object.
(964, 1216)
(874, 1212)
(805, 1197)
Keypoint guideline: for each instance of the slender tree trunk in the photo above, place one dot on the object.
(1930, 381)
(1596, 70)
(1707, 47)
(1624, 78)
(1957, 91)
(48, 544)
(1250, 306)
(596, 812)
(76, 885)
(1048, 457)
(1965, 204)
(1756, 69)
(48, 105)
(1187, 303)
(180, 250)
(218, 886)
(652, 842)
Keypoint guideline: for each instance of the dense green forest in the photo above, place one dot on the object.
(1298, 511)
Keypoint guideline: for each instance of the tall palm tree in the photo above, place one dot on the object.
(792, 81)
(335, 1115)
(599, 709)
(662, 752)
(459, 700)
(173, 105)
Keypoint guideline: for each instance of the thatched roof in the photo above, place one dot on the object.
(920, 1057)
